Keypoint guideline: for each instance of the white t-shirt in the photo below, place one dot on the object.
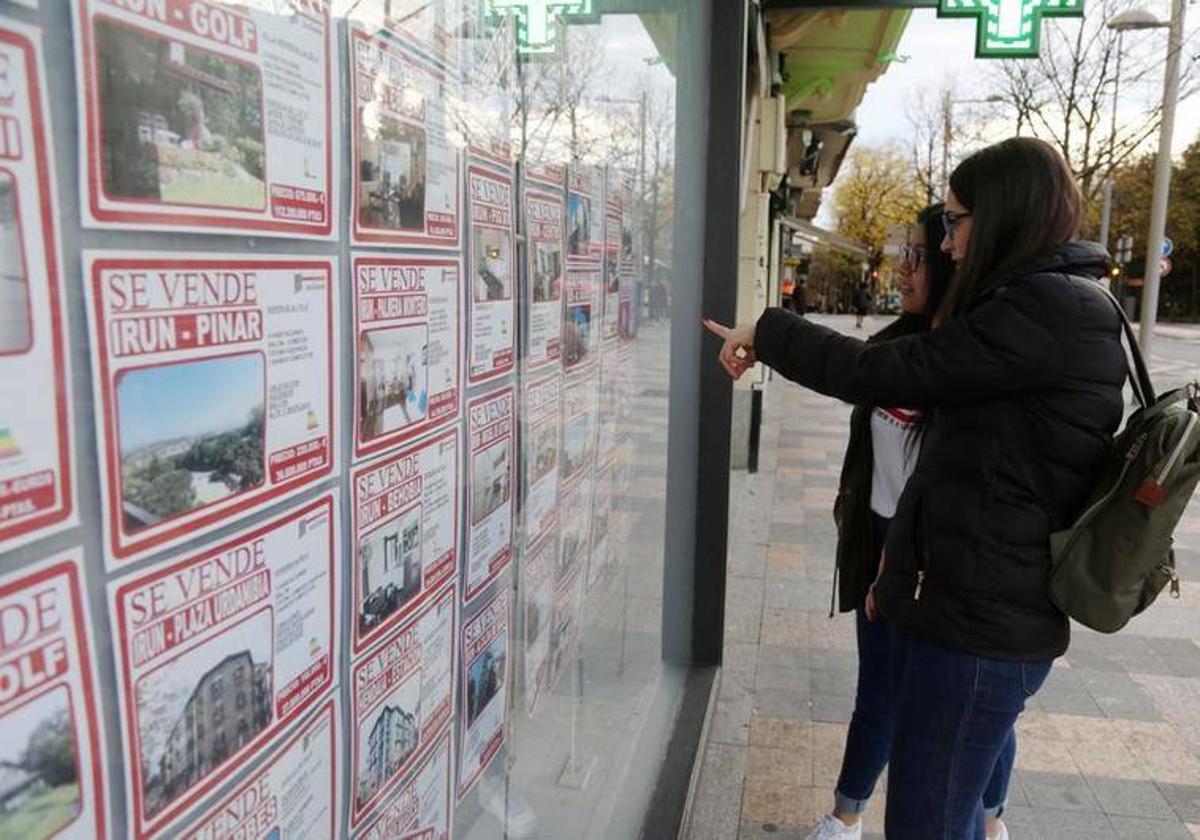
(896, 441)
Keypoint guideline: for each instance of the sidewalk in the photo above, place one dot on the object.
(1178, 332)
(1110, 747)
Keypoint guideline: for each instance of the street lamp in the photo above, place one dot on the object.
(947, 129)
(1130, 20)
(1142, 19)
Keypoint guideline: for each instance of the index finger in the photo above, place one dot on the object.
(714, 327)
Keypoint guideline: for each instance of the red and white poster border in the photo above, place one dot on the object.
(402, 43)
(364, 641)
(329, 714)
(500, 560)
(395, 816)
(123, 213)
(143, 829)
(358, 814)
(495, 617)
(62, 514)
(119, 549)
(92, 776)
(508, 360)
(367, 448)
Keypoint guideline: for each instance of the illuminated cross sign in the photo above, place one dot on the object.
(1009, 28)
(535, 18)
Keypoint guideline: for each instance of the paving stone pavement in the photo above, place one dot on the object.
(1109, 748)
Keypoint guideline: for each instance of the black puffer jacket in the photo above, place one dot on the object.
(1033, 373)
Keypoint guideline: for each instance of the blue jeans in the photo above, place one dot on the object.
(954, 717)
(869, 740)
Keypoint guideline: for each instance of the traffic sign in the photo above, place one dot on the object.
(1166, 267)
(1168, 247)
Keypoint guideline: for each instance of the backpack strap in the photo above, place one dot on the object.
(1139, 373)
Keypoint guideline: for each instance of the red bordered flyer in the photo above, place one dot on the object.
(581, 319)
(536, 600)
(612, 400)
(402, 698)
(201, 116)
(585, 215)
(422, 809)
(600, 555)
(541, 440)
(491, 434)
(545, 216)
(611, 298)
(406, 167)
(220, 651)
(405, 533)
(491, 334)
(407, 320)
(49, 695)
(295, 795)
(485, 689)
(37, 488)
(215, 386)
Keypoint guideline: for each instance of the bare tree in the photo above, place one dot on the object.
(1065, 95)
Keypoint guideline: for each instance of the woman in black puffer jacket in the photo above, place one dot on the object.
(1023, 393)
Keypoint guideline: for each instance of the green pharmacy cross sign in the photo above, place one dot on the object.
(1008, 28)
(536, 33)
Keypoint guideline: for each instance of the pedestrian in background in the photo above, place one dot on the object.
(862, 303)
(1022, 388)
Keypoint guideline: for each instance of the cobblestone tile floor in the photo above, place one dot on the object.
(1109, 748)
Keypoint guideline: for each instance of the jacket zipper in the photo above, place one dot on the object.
(920, 583)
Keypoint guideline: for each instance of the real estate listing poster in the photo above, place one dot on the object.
(536, 601)
(406, 169)
(201, 116)
(491, 337)
(421, 810)
(491, 430)
(612, 399)
(566, 627)
(407, 319)
(52, 752)
(405, 533)
(484, 101)
(402, 696)
(485, 689)
(579, 409)
(627, 263)
(214, 381)
(541, 439)
(585, 215)
(581, 313)
(544, 218)
(220, 651)
(37, 494)
(612, 272)
(295, 795)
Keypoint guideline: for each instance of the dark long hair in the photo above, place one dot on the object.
(1023, 203)
(939, 268)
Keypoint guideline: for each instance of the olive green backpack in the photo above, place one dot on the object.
(1117, 557)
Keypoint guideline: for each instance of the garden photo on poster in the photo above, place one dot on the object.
(180, 124)
(39, 768)
(202, 707)
(191, 434)
(16, 329)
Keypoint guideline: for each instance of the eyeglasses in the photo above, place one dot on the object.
(912, 256)
(951, 220)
